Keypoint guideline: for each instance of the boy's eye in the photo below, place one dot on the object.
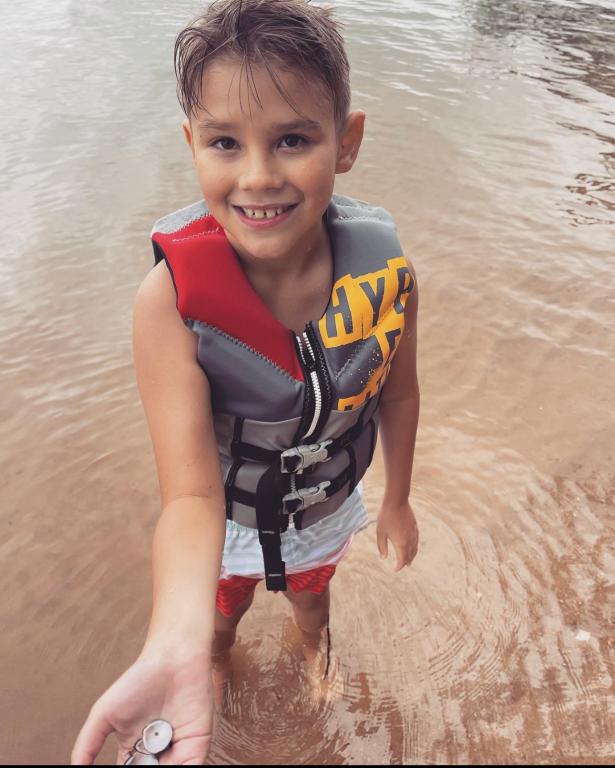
(225, 143)
(293, 141)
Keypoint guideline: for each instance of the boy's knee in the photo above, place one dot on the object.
(311, 619)
(223, 641)
(309, 602)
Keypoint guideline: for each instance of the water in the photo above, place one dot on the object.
(491, 137)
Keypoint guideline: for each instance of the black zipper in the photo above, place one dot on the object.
(317, 402)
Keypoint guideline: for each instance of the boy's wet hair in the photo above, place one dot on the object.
(293, 35)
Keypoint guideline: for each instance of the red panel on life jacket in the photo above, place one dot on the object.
(213, 288)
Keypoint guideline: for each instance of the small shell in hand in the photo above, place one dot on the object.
(140, 747)
(138, 758)
(157, 736)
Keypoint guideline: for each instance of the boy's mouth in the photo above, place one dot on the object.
(264, 212)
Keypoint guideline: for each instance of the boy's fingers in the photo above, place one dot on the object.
(381, 541)
(91, 738)
(402, 558)
(191, 751)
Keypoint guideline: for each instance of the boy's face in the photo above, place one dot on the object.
(264, 160)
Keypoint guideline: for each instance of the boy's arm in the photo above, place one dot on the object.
(399, 414)
(172, 676)
(189, 535)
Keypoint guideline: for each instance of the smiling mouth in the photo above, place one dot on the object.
(264, 213)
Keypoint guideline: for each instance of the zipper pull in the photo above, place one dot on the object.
(309, 358)
(306, 355)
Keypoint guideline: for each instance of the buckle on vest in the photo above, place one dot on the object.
(298, 500)
(295, 460)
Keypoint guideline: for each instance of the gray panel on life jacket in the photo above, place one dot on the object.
(359, 230)
(278, 435)
(257, 387)
(272, 435)
(177, 220)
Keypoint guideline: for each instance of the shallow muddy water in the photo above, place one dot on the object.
(491, 138)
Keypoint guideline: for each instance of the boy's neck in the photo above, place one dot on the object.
(298, 289)
(294, 267)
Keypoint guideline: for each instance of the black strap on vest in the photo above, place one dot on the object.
(352, 466)
(268, 521)
(229, 484)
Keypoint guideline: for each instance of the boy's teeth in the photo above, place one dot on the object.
(266, 213)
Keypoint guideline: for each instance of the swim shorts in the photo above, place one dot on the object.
(234, 590)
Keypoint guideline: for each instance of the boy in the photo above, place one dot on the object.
(278, 324)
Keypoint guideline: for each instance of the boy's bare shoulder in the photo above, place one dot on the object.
(156, 290)
(158, 328)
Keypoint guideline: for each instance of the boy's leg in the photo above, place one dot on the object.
(311, 610)
(230, 607)
(228, 616)
(311, 613)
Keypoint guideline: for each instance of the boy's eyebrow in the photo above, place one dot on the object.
(296, 125)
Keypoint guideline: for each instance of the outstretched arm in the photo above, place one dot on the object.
(171, 679)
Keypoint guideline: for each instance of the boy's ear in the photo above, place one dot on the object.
(188, 134)
(350, 141)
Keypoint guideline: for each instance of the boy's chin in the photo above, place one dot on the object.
(265, 246)
(264, 253)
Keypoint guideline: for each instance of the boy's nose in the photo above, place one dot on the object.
(260, 173)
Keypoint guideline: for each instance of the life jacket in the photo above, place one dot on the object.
(295, 416)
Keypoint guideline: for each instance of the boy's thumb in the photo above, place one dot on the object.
(382, 543)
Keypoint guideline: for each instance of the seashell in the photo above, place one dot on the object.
(140, 747)
(138, 758)
(157, 736)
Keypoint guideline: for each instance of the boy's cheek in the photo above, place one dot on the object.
(212, 182)
(319, 165)
(200, 154)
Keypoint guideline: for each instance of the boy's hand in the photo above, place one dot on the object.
(397, 524)
(178, 690)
